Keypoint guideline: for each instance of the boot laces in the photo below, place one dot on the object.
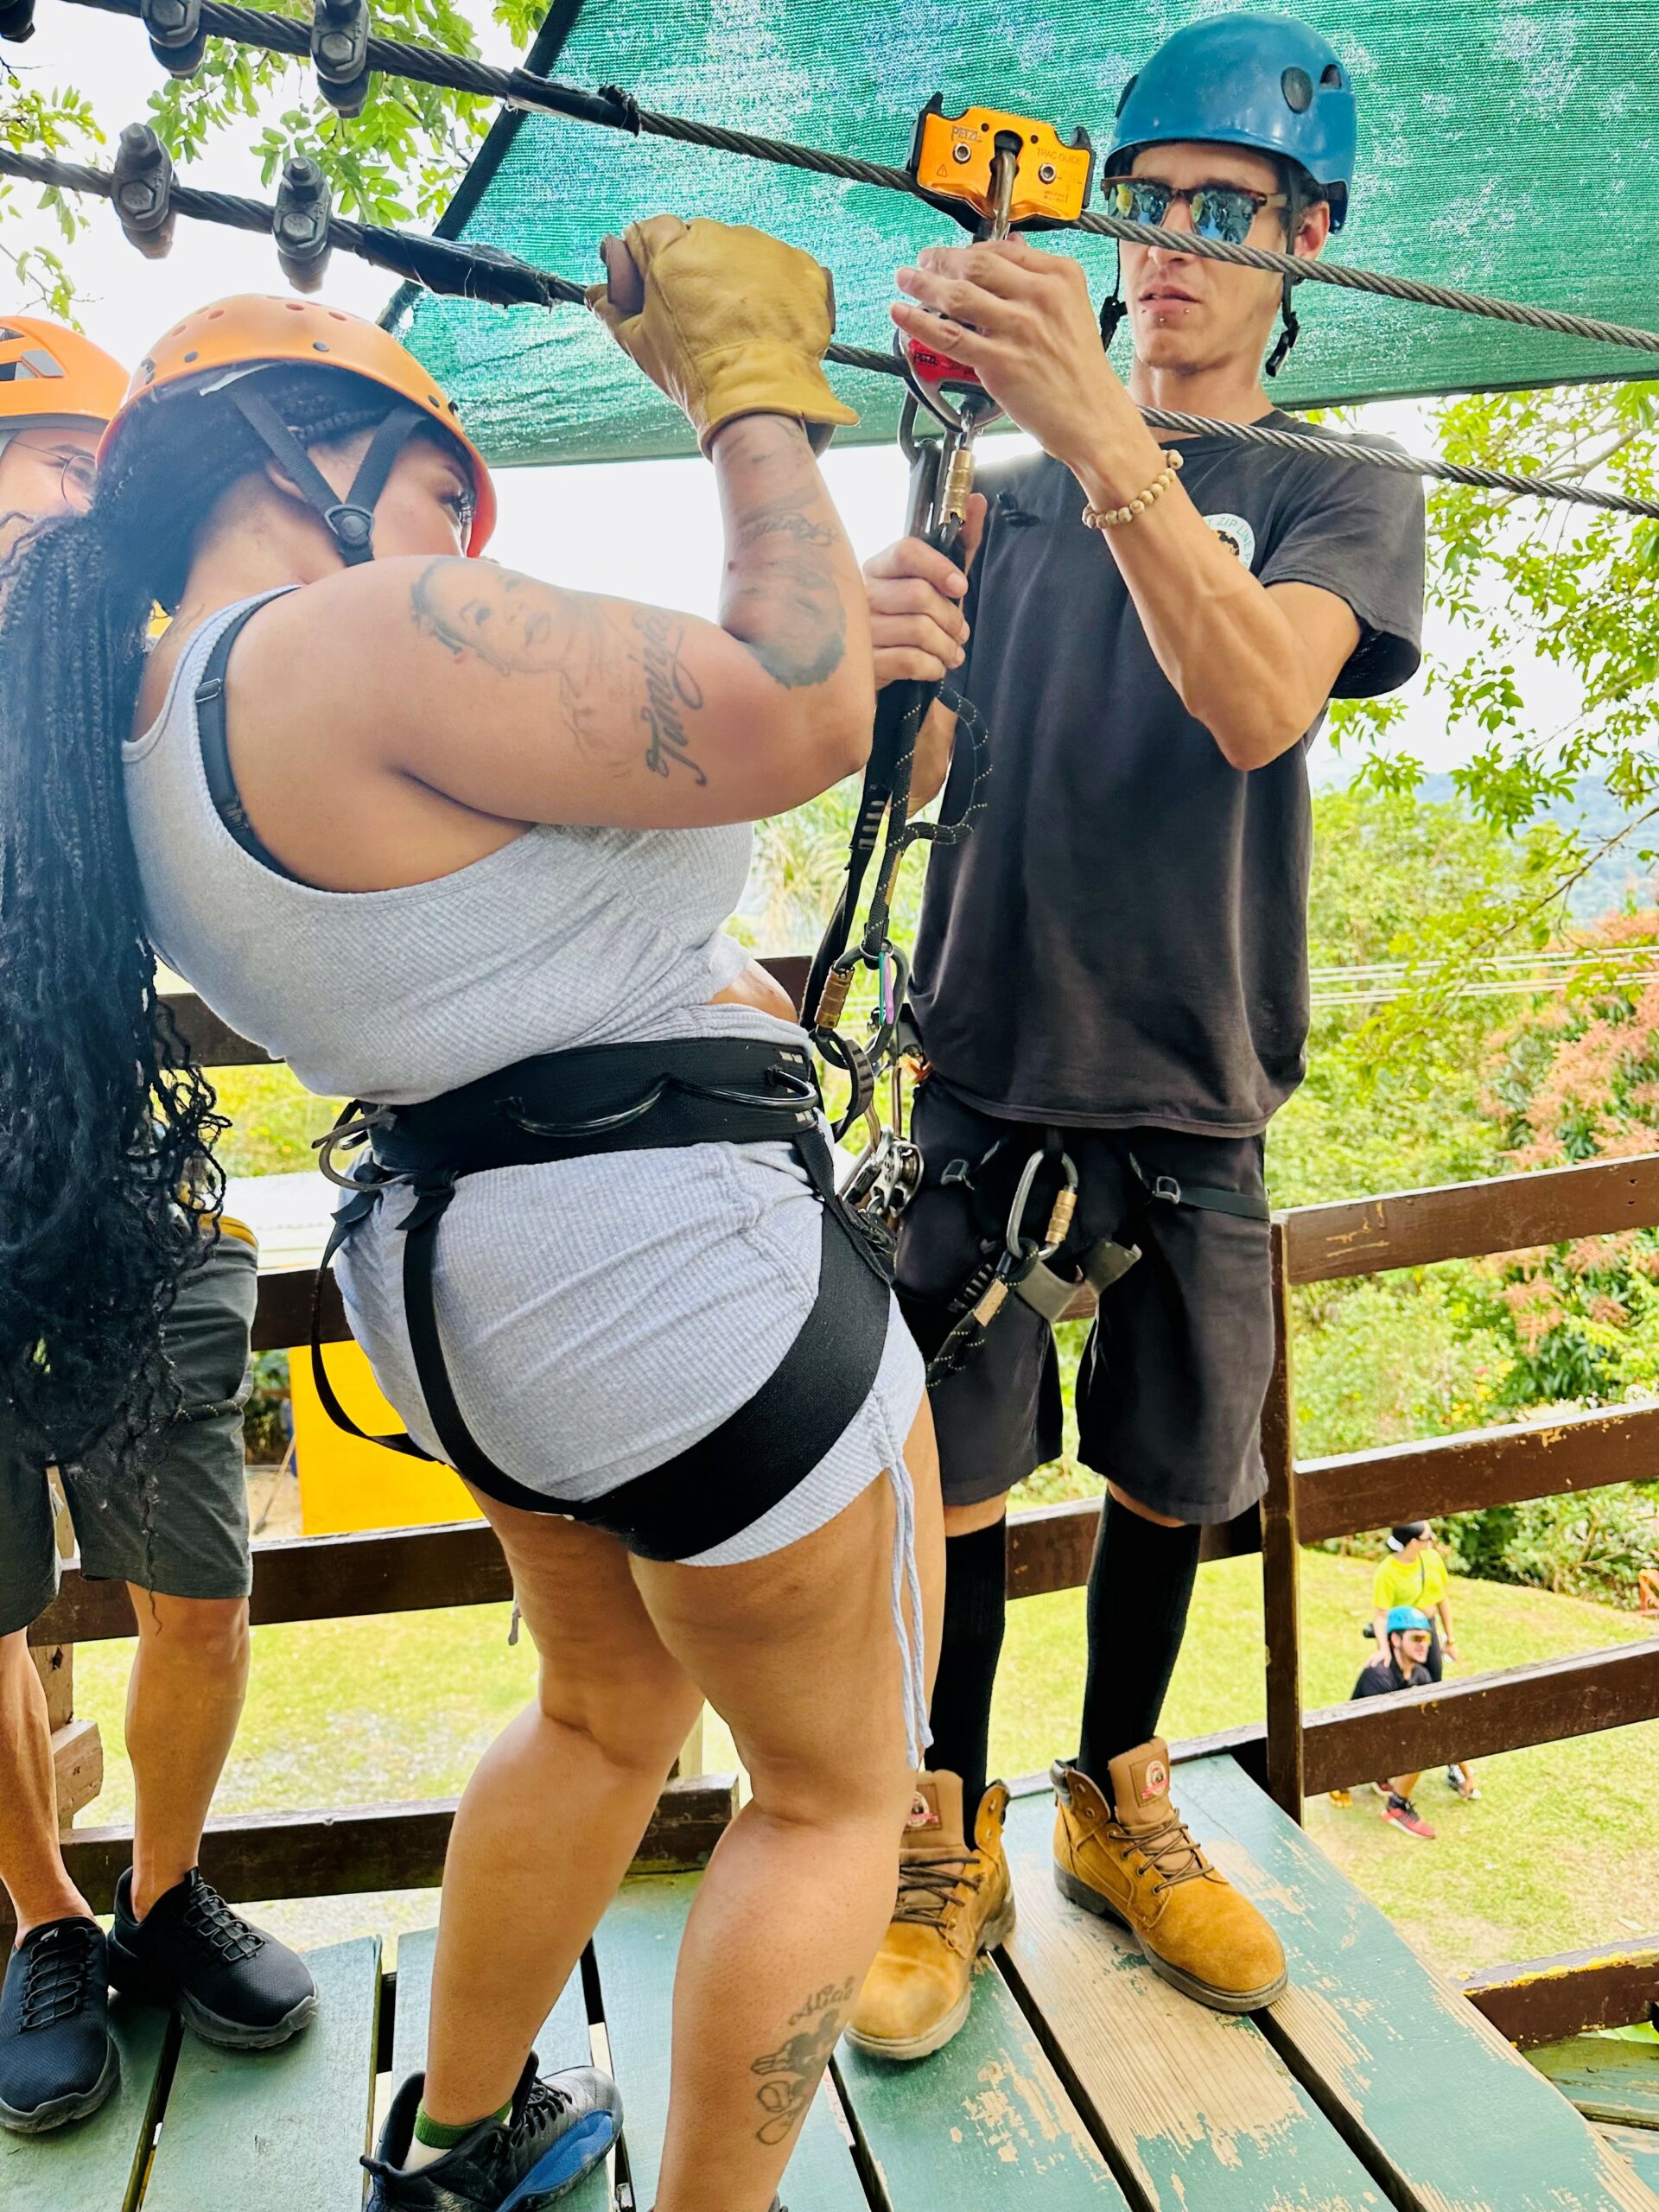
(928, 1886)
(1171, 1851)
(61, 1967)
(210, 1920)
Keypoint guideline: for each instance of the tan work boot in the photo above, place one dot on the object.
(953, 1904)
(1142, 1869)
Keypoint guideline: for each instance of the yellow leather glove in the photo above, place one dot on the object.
(725, 320)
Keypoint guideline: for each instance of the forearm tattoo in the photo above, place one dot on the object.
(783, 596)
(790, 2075)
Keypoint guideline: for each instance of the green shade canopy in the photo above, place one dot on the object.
(1507, 146)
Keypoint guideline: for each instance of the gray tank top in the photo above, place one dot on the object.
(563, 938)
(598, 1314)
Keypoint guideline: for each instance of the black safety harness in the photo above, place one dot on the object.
(614, 1098)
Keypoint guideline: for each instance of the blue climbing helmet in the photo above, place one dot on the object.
(1267, 82)
(1404, 1620)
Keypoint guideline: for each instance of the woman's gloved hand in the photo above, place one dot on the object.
(724, 319)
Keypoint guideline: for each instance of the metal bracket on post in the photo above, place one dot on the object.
(339, 49)
(176, 38)
(300, 225)
(143, 190)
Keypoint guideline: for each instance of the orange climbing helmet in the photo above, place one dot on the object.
(48, 374)
(221, 348)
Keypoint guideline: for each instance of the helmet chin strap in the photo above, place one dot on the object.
(1290, 335)
(1113, 310)
(350, 520)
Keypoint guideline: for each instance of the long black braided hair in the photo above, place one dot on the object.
(108, 1188)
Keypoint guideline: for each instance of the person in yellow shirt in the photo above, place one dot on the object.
(1413, 1573)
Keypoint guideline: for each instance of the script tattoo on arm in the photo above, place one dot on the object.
(671, 692)
(790, 2075)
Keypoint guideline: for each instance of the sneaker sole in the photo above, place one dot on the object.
(62, 2110)
(904, 2050)
(1202, 1993)
(572, 2158)
(129, 1977)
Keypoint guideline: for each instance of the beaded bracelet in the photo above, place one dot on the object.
(1112, 517)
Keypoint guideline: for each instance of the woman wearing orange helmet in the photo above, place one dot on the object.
(57, 392)
(459, 844)
(177, 1535)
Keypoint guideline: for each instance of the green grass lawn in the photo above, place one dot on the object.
(1557, 1853)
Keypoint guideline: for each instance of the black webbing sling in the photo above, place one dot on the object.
(633, 1098)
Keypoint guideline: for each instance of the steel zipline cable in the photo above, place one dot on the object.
(615, 109)
(501, 279)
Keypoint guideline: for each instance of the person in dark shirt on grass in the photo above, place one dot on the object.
(1404, 1667)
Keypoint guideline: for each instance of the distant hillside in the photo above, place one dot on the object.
(1595, 815)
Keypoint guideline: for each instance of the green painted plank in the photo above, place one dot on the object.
(1373, 2032)
(1640, 2145)
(563, 2041)
(1606, 2077)
(982, 2125)
(96, 2166)
(1199, 2109)
(278, 2131)
(637, 1945)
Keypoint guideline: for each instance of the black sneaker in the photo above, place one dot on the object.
(58, 2062)
(233, 1984)
(556, 2132)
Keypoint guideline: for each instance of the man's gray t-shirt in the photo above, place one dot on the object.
(1123, 941)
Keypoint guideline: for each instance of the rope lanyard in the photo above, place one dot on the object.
(501, 279)
(613, 108)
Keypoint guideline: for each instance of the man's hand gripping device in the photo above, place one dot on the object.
(994, 173)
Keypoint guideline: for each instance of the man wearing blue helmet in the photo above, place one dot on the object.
(1111, 974)
(1404, 1665)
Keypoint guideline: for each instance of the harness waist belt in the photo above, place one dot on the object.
(606, 1098)
(634, 1098)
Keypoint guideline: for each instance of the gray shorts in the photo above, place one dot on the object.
(192, 1490)
(1171, 1386)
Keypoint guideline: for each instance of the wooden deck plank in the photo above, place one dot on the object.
(563, 2041)
(1640, 2145)
(1370, 2029)
(637, 1945)
(276, 2130)
(1200, 2112)
(1605, 2076)
(98, 2165)
(983, 2126)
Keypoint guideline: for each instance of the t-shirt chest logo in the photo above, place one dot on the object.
(1236, 535)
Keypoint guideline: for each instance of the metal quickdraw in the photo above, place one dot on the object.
(994, 173)
(1020, 1256)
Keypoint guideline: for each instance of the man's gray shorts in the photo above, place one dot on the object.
(191, 1490)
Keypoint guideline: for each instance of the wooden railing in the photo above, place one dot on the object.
(1296, 1753)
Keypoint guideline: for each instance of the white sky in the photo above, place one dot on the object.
(645, 530)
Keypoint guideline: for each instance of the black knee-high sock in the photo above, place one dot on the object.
(975, 1612)
(1139, 1590)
